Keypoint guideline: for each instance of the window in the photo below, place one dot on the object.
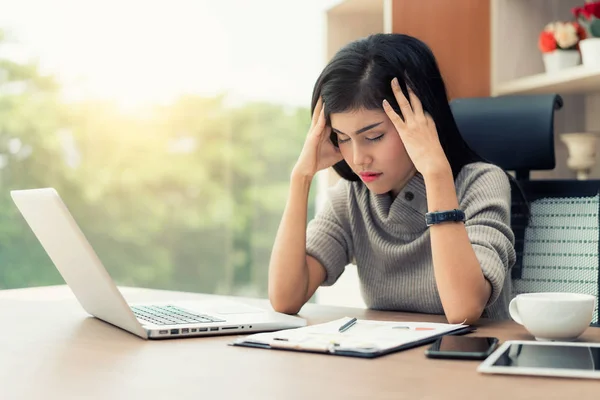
(168, 128)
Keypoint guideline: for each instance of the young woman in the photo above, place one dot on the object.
(426, 221)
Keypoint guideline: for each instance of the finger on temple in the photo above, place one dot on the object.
(415, 102)
(317, 110)
(403, 102)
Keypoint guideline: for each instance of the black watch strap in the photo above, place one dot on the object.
(436, 217)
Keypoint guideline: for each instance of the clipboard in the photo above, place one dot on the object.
(365, 339)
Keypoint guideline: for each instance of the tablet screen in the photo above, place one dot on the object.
(557, 356)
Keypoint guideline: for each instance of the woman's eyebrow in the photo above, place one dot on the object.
(361, 130)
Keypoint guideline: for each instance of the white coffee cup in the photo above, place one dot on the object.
(553, 316)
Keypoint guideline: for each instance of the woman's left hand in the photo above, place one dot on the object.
(417, 131)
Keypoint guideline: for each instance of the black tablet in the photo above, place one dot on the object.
(566, 359)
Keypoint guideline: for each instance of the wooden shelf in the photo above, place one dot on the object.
(577, 79)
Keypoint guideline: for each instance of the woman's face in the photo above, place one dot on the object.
(372, 147)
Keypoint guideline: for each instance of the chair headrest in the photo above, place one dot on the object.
(513, 132)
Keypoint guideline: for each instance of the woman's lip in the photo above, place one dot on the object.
(369, 177)
(369, 173)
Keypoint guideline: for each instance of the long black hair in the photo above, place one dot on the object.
(360, 75)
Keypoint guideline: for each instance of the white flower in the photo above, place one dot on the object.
(565, 35)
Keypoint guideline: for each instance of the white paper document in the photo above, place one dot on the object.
(365, 336)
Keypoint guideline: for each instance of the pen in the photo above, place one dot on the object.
(347, 325)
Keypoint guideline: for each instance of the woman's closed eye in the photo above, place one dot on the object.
(376, 138)
(370, 139)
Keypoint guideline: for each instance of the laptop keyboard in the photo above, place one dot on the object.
(170, 315)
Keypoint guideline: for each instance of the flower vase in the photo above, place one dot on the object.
(590, 52)
(557, 60)
(582, 152)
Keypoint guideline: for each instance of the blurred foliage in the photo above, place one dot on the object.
(186, 196)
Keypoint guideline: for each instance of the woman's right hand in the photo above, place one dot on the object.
(318, 152)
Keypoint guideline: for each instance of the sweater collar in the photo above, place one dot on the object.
(409, 207)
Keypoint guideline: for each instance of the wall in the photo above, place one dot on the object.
(344, 28)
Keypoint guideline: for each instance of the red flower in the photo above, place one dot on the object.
(590, 9)
(577, 11)
(546, 42)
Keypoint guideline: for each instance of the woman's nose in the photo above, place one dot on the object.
(361, 156)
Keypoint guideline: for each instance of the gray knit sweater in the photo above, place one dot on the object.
(390, 244)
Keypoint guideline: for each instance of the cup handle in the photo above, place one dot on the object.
(513, 310)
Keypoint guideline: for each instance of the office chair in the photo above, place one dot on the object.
(558, 245)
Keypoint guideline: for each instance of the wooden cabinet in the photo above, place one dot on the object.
(458, 33)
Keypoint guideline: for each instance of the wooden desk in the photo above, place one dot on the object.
(50, 348)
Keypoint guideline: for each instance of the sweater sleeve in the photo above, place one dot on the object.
(328, 237)
(484, 196)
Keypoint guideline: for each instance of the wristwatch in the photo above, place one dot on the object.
(436, 217)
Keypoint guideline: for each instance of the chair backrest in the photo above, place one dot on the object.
(514, 132)
(558, 245)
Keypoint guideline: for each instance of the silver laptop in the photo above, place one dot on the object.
(82, 270)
